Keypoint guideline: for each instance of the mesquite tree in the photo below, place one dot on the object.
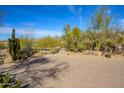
(14, 46)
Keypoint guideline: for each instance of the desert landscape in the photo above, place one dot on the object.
(65, 69)
(75, 58)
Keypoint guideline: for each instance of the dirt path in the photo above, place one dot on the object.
(74, 70)
(90, 71)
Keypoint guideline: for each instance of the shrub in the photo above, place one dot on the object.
(94, 44)
(9, 82)
(73, 40)
(26, 46)
(25, 53)
(107, 45)
(48, 42)
(88, 44)
(80, 46)
(55, 50)
(2, 44)
(73, 48)
(1, 61)
(120, 39)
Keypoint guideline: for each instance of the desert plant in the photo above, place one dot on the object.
(67, 29)
(9, 82)
(26, 48)
(55, 50)
(2, 44)
(74, 40)
(27, 43)
(1, 61)
(108, 45)
(48, 42)
(101, 20)
(120, 39)
(14, 46)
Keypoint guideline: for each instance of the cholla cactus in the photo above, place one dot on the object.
(14, 46)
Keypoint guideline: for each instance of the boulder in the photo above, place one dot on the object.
(108, 55)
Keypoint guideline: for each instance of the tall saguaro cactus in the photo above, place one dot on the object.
(14, 46)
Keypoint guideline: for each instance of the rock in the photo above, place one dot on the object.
(68, 54)
(108, 55)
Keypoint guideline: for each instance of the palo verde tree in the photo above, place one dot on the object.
(102, 20)
(74, 40)
(101, 24)
(14, 46)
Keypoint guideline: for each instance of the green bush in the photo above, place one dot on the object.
(88, 44)
(74, 40)
(48, 42)
(27, 50)
(1, 61)
(120, 39)
(8, 82)
(26, 44)
(2, 44)
(108, 45)
(55, 50)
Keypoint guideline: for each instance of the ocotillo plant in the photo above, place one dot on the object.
(14, 46)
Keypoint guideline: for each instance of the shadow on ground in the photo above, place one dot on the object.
(33, 73)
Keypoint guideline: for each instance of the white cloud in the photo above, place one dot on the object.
(35, 32)
(121, 23)
(43, 33)
(5, 30)
(72, 9)
(76, 11)
(28, 23)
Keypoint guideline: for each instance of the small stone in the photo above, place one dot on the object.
(108, 55)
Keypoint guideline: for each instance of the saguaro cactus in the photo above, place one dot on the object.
(14, 46)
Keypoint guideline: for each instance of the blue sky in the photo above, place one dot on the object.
(49, 20)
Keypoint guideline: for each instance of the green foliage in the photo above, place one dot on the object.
(99, 35)
(90, 40)
(48, 42)
(88, 44)
(26, 42)
(8, 82)
(1, 61)
(120, 39)
(101, 20)
(55, 50)
(14, 46)
(2, 44)
(26, 47)
(108, 45)
(73, 40)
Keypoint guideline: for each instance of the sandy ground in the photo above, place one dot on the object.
(69, 71)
